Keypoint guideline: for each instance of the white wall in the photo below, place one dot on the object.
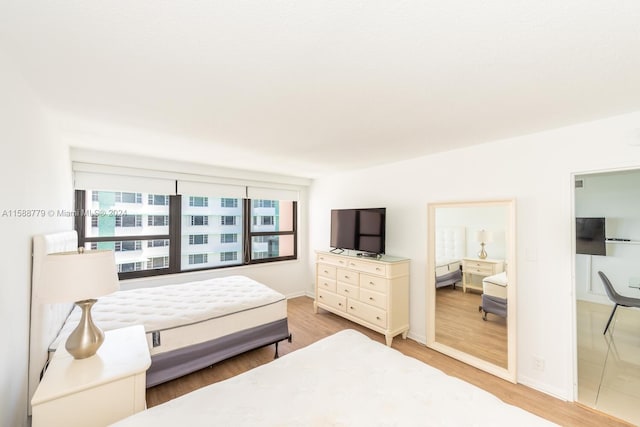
(493, 219)
(35, 174)
(534, 169)
(616, 197)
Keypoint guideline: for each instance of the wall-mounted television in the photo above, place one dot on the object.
(590, 236)
(358, 229)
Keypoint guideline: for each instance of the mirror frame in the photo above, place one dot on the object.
(509, 373)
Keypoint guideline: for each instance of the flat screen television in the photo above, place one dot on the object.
(358, 230)
(590, 236)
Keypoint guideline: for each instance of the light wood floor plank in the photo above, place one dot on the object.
(308, 327)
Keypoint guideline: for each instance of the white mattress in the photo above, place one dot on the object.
(187, 313)
(346, 379)
(495, 285)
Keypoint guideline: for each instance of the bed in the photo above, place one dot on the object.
(450, 249)
(346, 379)
(494, 295)
(189, 326)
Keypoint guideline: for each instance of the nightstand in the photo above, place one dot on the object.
(475, 269)
(98, 390)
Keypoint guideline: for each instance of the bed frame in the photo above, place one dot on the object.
(48, 319)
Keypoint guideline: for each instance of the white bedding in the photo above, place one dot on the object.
(186, 313)
(346, 379)
(495, 285)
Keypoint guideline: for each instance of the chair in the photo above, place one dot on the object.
(616, 298)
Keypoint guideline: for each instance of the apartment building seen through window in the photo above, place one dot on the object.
(155, 234)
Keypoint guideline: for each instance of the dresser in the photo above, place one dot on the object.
(96, 391)
(475, 269)
(373, 292)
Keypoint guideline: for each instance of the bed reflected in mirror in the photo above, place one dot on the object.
(471, 283)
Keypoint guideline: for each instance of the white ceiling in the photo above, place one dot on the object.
(313, 87)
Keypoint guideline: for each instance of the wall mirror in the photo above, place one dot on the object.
(471, 283)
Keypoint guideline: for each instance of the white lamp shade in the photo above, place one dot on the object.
(74, 276)
(484, 236)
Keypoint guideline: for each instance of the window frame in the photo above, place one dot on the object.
(174, 237)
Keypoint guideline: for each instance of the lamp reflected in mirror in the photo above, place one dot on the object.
(483, 237)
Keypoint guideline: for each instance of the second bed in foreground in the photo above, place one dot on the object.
(346, 379)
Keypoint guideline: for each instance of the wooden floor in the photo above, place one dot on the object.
(459, 325)
(308, 327)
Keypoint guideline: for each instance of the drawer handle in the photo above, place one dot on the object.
(326, 271)
(319, 296)
(352, 308)
(377, 268)
(346, 291)
(371, 299)
(340, 304)
(378, 318)
(351, 264)
(372, 284)
(346, 277)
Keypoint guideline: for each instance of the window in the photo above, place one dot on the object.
(227, 220)
(198, 259)
(128, 220)
(263, 220)
(199, 220)
(131, 234)
(157, 243)
(228, 238)
(198, 201)
(273, 230)
(159, 200)
(128, 197)
(264, 203)
(160, 234)
(130, 245)
(228, 203)
(157, 220)
(157, 262)
(129, 267)
(228, 256)
(198, 239)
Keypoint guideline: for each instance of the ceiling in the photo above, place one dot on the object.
(309, 88)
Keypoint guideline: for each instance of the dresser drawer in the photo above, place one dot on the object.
(347, 276)
(485, 269)
(326, 284)
(374, 298)
(368, 267)
(347, 290)
(368, 313)
(378, 284)
(332, 300)
(332, 259)
(326, 270)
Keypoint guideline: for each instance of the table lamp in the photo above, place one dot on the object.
(81, 277)
(483, 237)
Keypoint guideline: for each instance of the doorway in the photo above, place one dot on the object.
(608, 364)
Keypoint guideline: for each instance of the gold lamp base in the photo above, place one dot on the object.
(482, 254)
(87, 337)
